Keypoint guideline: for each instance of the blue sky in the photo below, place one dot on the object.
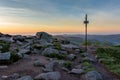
(61, 15)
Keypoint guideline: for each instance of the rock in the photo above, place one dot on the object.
(69, 46)
(1, 47)
(22, 52)
(78, 66)
(71, 56)
(76, 71)
(3, 67)
(25, 78)
(18, 38)
(63, 52)
(44, 36)
(44, 43)
(49, 67)
(49, 51)
(15, 76)
(4, 77)
(65, 69)
(6, 39)
(48, 76)
(38, 63)
(93, 75)
(5, 56)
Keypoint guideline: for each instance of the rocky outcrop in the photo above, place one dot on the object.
(44, 36)
(48, 76)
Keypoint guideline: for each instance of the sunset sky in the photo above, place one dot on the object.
(59, 16)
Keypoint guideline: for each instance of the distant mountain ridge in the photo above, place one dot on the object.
(77, 38)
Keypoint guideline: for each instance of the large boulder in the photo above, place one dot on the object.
(25, 78)
(5, 56)
(6, 39)
(22, 52)
(49, 51)
(44, 36)
(50, 66)
(18, 38)
(93, 75)
(48, 76)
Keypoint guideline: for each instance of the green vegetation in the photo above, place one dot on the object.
(54, 55)
(57, 45)
(5, 46)
(88, 65)
(67, 65)
(14, 57)
(86, 43)
(110, 57)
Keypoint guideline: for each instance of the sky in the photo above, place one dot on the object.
(59, 16)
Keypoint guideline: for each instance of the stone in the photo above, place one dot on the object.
(15, 76)
(3, 67)
(49, 76)
(49, 51)
(38, 63)
(25, 78)
(18, 38)
(78, 66)
(71, 56)
(6, 39)
(44, 36)
(5, 56)
(22, 52)
(76, 71)
(93, 75)
(49, 67)
(69, 46)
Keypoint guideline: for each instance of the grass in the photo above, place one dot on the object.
(57, 45)
(5, 46)
(89, 65)
(67, 65)
(110, 57)
(54, 55)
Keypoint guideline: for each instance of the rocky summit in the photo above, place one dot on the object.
(46, 57)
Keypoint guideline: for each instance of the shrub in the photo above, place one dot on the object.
(5, 46)
(14, 57)
(54, 55)
(67, 65)
(57, 45)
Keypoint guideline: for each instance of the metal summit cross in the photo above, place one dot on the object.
(86, 22)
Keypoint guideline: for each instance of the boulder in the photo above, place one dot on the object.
(15, 76)
(48, 76)
(71, 56)
(76, 71)
(49, 51)
(22, 52)
(69, 46)
(44, 36)
(93, 75)
(38, 63)
(18, 38)
(25, 78)
(5, 56)
(6, 39)
(49, 67)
